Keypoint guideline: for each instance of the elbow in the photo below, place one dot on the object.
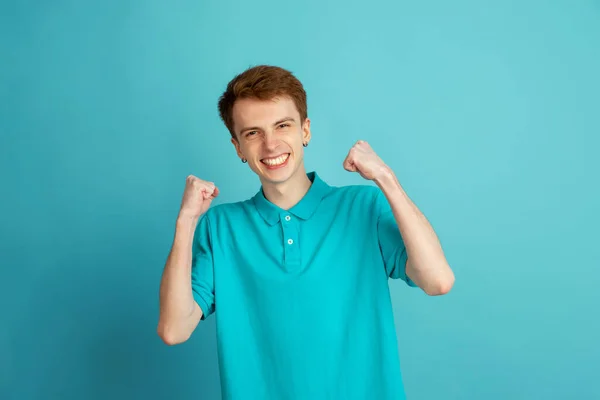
(440, 286)
(171, 336)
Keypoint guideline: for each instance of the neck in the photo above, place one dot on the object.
(287, 194)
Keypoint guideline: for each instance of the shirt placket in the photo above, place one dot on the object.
(290, 241)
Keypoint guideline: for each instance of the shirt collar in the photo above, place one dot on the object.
(304, 209)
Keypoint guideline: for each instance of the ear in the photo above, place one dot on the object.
(236, 144)
(306, 135)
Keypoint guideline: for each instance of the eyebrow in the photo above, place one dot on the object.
(276, 123)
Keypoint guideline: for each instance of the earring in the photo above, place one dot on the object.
(244, 160)
(305, 144)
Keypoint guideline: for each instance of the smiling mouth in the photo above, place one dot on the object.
(275, 161)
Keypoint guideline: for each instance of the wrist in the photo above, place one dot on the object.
(386, 179)
(186, 220)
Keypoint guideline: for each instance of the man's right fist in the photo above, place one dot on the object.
(197, 196)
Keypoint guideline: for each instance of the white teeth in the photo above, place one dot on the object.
(273, 162)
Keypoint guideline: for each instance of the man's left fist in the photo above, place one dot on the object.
(362, 159)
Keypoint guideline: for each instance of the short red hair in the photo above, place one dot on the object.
(263, 82)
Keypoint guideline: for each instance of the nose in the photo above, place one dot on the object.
(270, 141)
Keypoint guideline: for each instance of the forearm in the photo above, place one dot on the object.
(427, 265)
(179, 314)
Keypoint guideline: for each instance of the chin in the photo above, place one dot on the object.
(276, 176)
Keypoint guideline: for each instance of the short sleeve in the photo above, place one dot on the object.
(202, 268)
(390, 240)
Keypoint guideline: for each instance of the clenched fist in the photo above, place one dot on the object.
(363, 159)
(197, 196)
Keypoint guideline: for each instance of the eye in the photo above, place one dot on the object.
(250, 133)
(284, 125)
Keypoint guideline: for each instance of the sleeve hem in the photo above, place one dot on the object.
(402, 264)
(202, 304)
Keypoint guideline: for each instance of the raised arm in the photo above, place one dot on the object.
(179, 312)
(426, 264)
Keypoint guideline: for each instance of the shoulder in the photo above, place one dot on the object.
(366, 194)
(349, 198)
(220, 219)
(228, 210)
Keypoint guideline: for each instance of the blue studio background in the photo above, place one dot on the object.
(488, 113)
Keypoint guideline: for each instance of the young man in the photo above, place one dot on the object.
(298, 274)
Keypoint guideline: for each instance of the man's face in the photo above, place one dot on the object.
(270, 136)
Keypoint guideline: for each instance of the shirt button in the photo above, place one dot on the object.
(287, 218)
(290, 241)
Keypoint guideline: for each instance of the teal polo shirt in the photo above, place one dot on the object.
(301, 296)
